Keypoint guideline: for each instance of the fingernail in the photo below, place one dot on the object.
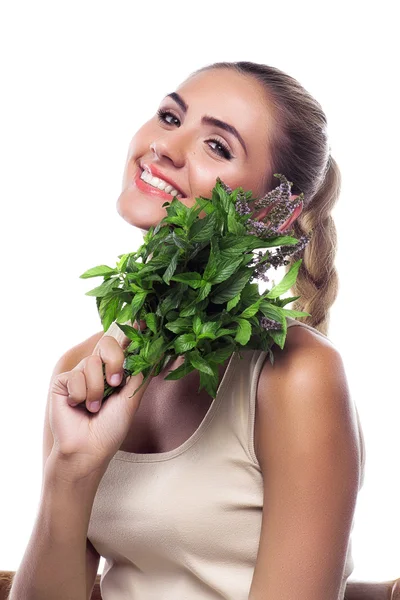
(115, 379)
(94, 406)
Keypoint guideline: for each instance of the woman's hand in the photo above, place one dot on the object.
(86, 436)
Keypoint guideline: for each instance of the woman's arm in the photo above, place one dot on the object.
(310, 459)
(54, 563)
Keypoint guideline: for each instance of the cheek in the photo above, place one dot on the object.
(204, 173)
(141, 141)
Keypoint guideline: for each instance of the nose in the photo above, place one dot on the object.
(170, 147)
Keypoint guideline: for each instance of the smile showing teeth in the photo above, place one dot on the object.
(159, 184)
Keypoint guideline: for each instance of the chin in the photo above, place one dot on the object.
(140, 212)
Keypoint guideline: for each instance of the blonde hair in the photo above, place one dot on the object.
(300, 151)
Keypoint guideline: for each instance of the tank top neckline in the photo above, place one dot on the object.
(161, 456)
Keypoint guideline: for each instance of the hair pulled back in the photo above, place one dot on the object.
(300, 150)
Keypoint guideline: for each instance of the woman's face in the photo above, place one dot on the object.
(216, 124)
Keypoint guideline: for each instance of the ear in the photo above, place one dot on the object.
(293, 216)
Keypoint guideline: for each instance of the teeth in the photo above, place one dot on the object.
(160, 184)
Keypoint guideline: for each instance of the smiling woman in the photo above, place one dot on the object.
(248, 495)
(210, 127)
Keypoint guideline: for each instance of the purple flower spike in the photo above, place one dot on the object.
(268, 324)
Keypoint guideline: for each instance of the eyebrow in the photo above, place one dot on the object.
(210, 120)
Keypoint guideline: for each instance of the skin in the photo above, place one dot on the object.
(188, 152)
(182, 147)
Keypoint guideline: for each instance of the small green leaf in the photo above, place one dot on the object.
(208, 330)
(204, 290)
(244, 331)
(135, 363)
(156, 349)
(124, 314)
(202, 229)
(200, 363)
(287, 282)
(232, 303)
(192, 279)
(229, 289)
(251, 310)
(108, 310)
(180, 371)
(220, 355)
(210, 382)
(225, 267)
(197, 325)
(295, 313)
(101, 270)
(179, 325)
(130, 332)
(279, 336)
(104, 289)
(272, 312)
(185, 342)
(137, 303)
(121, 264)
(151, 321)
(284, 301)
(172, 267)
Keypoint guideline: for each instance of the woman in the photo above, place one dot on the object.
(251, 495)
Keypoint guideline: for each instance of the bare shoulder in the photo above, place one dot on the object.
(304, 351)
(305, 387)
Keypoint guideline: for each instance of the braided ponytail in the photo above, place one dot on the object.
(317, 280)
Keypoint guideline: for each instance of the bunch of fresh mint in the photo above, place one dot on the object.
(191, 282)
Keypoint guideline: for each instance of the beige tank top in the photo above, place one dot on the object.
(186, 524)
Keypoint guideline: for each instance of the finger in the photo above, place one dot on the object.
(112, 355)
(76, 387)
(93, 371)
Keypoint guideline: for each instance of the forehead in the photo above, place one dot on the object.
(238, 99)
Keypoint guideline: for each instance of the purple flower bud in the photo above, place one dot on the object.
(268, 324)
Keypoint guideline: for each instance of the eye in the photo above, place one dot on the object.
(220, 148)
(165, 116)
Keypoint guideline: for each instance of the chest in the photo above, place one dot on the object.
(169, 414)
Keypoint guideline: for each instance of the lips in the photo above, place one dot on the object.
(155, 172)
(149, 190)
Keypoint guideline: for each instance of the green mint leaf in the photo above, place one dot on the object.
(101, 270)
(284, 301)
(287, 282)
(208, 330)
(180, 371)
(295, 313)
(179, 325)
(244, 331)
(232, 303)
(202, 230)
(185, 342)
(172, 267)
(209, 382)
(229, 289)
(192, 279)
(108, 310)
(279, 336)
(200, 363)
(105, 288)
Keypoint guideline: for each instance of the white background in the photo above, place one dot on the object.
(78, 79)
